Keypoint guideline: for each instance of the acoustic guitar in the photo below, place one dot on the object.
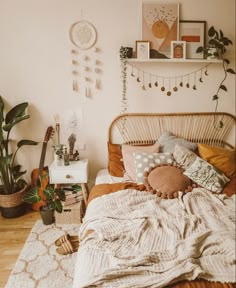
(39, 176)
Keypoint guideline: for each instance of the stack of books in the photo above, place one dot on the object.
(73, 194)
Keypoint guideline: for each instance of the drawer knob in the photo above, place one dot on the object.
(68, 176)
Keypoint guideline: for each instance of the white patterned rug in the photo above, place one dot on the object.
(39, 265)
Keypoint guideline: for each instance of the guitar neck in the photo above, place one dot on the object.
(42, 159)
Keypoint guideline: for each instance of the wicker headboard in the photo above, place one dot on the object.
(146, 128)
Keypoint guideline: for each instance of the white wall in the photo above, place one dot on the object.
(35, 66)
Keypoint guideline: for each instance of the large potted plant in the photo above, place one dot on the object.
(51, 201)
(12, 185)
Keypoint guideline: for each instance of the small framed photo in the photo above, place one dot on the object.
(143, 49)
(178, 49)
(194, 33)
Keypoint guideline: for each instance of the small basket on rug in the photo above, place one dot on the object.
(71, 214)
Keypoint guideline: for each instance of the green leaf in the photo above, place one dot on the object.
(26, 142)
(8, 126)
(215, 97)
(60, 193)
(221, 34)
(32, 196)
(1, 109)
(223, 87)
(199, 49)
(77, 188)
(16, 112)
(58, 206)
(229, 70)
(49, 192)
(16, 171)
(211, 31)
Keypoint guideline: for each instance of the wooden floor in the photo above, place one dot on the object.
(13, 233)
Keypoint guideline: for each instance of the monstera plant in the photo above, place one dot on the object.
(12, 185)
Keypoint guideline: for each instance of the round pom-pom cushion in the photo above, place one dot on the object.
(167, 181)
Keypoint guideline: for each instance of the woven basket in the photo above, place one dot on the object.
(70, 215)
(12, 200)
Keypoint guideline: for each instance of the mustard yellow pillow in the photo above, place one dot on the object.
(221, 158)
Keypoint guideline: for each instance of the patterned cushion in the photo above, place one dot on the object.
(167, 141)
(145, 161)
(183, 156)
(206, 175)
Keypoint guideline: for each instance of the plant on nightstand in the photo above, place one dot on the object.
(217, 48)
(51, 199)
(12, 185)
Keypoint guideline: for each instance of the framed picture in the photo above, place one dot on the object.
(194, 33)
(143, 49)
(178, 49)
(160, 25)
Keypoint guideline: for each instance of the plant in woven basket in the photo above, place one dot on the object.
(11, 181)
(52, 197)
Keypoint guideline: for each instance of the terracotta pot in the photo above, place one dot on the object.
(12, 205)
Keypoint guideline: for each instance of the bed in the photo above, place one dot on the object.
(162, 214)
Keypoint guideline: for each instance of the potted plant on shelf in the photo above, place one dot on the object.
(12, 185)
(51, 200)
(216, 49)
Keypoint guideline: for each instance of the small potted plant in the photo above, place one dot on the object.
(51, 200)
(12, 185)
(216, 49)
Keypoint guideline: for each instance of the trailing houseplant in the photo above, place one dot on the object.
(12, 185)
(51, 200)
(218, 41)
(125, 52)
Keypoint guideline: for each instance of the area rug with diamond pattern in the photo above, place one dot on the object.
(39, 265)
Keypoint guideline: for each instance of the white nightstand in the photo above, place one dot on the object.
(75, 173)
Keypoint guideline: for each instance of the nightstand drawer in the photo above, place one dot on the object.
(76, 172)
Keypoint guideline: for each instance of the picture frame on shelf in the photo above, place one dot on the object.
(142, 49)
(194, 33)
(178, 49)
(160, 25)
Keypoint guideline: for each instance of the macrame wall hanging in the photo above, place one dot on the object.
(86, 65)
(169, 84)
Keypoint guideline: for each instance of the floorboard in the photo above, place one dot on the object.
(13, 233)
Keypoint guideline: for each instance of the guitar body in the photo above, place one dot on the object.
(44, 182)
(39, 176)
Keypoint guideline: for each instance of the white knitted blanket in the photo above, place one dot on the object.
(140, 240)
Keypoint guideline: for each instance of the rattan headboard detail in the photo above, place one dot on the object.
(146, 128)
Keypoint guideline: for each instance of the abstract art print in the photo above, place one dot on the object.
(160, 25)
(194, 33)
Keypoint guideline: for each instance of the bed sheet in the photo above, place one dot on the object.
(103, 176)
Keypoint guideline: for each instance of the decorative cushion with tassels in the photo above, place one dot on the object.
(166, 181)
